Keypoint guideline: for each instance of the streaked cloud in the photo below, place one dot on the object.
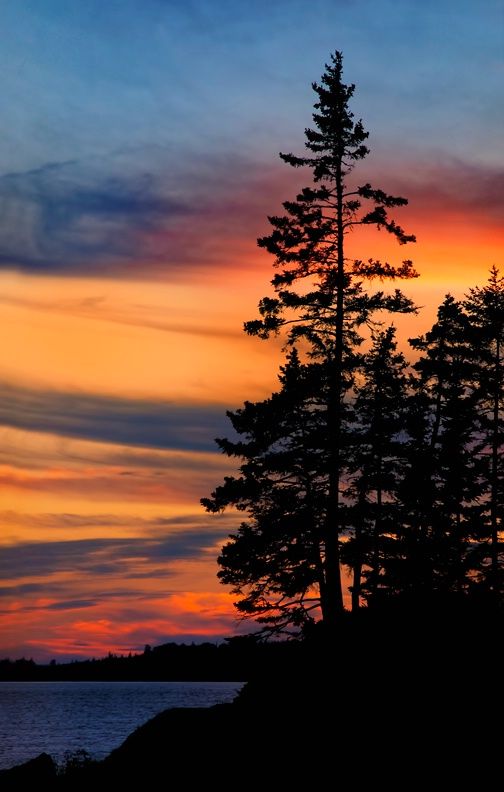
(143, 316)
(32, 452)
(134, 422)
(103, 557)
(152, 526)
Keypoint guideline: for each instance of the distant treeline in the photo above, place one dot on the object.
(234, 660)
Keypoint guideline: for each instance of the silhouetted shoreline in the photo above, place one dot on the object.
(417, 692)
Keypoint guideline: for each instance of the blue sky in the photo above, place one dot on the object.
(91, 79)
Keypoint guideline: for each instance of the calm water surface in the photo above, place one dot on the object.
(97, 716)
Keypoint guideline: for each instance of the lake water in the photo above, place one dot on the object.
(97, 716)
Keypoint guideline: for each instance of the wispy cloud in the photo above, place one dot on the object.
(153, 526)
(119, 486)
(103, 557)
(134, 422)
(31, 451)
(151, 317)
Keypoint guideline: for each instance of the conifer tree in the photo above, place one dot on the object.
(319, 292)
(274, 561)
(376, 461)
(286, 557)
(485, 309)
(441, 487)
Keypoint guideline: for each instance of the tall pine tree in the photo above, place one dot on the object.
(319, 292)
(293, 480)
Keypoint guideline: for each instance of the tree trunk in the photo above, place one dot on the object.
(334, 426)
(377, 529)
(357, 571)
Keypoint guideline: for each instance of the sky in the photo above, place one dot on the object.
(138, 164)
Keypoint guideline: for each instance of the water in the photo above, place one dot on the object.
(56, 717)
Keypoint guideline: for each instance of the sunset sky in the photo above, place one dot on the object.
(138, 164)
